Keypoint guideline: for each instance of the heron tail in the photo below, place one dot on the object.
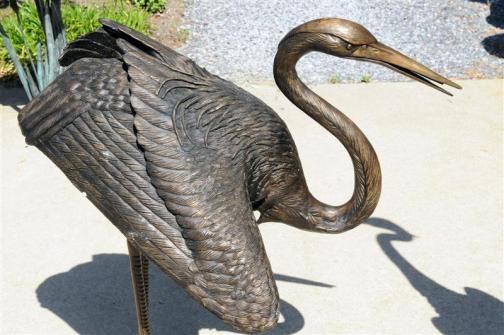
(98, 44)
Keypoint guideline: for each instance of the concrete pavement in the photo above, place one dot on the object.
(429, 261)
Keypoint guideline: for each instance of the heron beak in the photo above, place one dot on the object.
(393, 59)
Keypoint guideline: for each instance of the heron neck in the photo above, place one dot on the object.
(365, 162)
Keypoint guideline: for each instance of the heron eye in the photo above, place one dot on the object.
(349, 46)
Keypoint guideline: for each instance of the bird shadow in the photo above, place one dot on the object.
(474, 312)
(96, 298)
(494, 45)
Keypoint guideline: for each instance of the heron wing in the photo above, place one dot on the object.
(186, 206)
(209, 198)
(84, 123)
(205, 189)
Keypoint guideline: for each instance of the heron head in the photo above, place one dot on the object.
(347, 39)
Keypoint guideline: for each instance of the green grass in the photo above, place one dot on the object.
(152, 6)
(4, 12)
(78, 20)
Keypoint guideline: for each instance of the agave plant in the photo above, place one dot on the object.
(43, 67)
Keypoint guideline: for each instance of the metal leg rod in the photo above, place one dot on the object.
(139, 265)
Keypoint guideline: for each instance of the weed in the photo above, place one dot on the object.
(182, 35)
(334, 79)
(152, 6)
(366, 78)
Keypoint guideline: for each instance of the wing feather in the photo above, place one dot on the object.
(207, 193)
(137, 144)
(93, 141)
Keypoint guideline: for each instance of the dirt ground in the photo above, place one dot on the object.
(167, 24)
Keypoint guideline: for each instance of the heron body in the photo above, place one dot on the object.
(178, 159)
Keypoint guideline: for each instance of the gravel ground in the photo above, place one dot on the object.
(237, 39)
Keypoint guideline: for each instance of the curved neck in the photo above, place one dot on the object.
(366, 167)
(427, 287)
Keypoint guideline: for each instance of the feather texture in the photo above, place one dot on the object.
(159, 146)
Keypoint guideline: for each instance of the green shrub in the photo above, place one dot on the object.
(78, 20)
(43, 68)
(152, 6)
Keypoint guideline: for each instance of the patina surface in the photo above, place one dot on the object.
(178, 159)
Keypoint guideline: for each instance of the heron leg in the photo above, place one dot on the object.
(139, 265)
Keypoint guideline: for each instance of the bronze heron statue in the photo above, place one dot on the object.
(178, 159)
